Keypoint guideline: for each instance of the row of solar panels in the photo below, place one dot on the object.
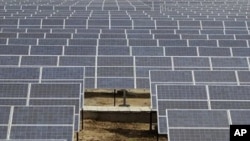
(137, 15)
(127, 42)
(143, 15)
(185, 32)
(119, 23)
(127, 21)
(225, 107)
(125, 51)
(196, 77)
(229, 34)
(89, 51)
(186, 90)
(122, 77)
(174, 63)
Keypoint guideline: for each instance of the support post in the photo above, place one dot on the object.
(77, 136)
(150, 120)
(114, 97)
(82, 118)
(124, 99)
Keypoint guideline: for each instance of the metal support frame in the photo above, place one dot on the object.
(150, 120)
(114, 97)
(124, 104)
(77, 136)
(82, 118)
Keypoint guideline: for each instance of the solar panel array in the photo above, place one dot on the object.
(50, 51)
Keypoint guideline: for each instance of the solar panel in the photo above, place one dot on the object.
(215, 76)
(181, 92)
(80, 50)
(14, 50)
(3, 132)
(153, 61)
(54, 90)
(180, 51)
(43, 115)
(76, 61)
(63, 73)
(39, 60)
(52, 42)
(13, 90)
(19, 73)
(115, 72)
(46, 50)
(41, 132)
(239, 117)
(192, 62)
(197, 118)
(5, 114)
(115, 61)
(229, 62)
(214, 51)
(150, 51)
(229, 92)
(233, 43)
(115, 82)
(198, 134)
(44, 118)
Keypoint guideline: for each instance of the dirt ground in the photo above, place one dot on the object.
(113, 131)
(116, 131)
(108, 101)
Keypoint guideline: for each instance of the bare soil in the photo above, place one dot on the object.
(116, 131)
(113, 131)
(108, 101)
